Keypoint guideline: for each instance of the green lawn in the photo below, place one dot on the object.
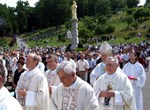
(121, 32)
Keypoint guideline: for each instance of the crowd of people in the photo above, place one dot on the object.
(52, 78)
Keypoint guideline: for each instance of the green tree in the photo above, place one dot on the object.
(92, 7)
(8, 14)
(33, 21)
(110, 29)
(135, 24)
(89, 22)
(53, 12)
(147, 3)
(100, 29)
(22, 11)
(141, 13)
(129, 20)
(68, 25)
(85, 34)
(12, 26)
(103, 7)
(82, 9)
(102, 19)
(117, 5)
(132, 3)
(130, 11)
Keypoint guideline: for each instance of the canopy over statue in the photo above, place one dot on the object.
(74, 10)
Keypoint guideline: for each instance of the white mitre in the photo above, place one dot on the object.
(105, 48)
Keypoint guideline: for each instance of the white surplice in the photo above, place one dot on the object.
(36, 84)
(41, 66)
(79, 96)
(138, 71)
(121, 85)
(52, 78)
(7, 102)
(97, 72)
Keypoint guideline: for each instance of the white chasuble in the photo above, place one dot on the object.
(35, 83)
(108, 103)
(7, 102)
(69, 99)
(79, 96)
(24, 84)
(103, 104)
(122, 87)
(52, 77)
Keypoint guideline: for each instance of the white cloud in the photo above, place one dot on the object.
(12, 3)
(142, 2)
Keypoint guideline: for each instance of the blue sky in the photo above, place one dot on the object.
(12, 3)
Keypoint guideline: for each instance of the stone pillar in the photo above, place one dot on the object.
(74, 32)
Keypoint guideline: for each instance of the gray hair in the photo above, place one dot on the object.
(67, 67)
(114, 59)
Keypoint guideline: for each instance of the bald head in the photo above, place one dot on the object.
(32, 61)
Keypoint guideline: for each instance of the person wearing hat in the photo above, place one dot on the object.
(113, 89)
(105, 51)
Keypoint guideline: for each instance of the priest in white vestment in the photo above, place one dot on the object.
(51, 75)
(32, 88)
(136, 73)
(105, 51)
(113, 89)
(7, 102)
(41, 65)
(72, 93)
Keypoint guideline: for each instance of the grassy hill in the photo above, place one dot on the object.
(56, 37)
